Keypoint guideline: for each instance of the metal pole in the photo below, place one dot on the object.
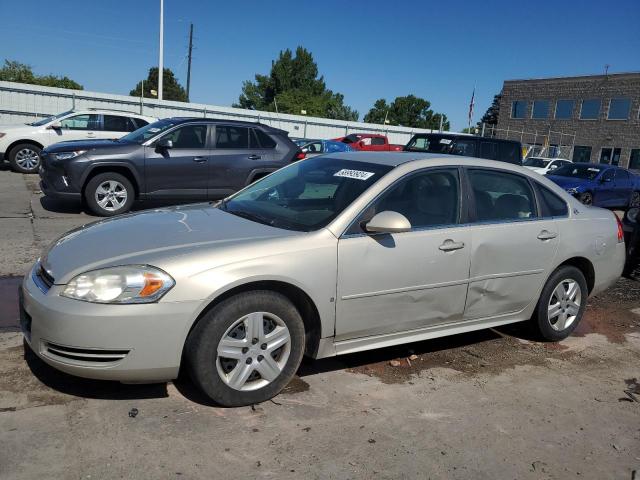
(160, 59)
(142, 98)
(189, 64)
(483, 125)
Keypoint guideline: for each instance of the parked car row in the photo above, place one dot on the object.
(84, 155)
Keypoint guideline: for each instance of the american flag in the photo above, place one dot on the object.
(471, 105)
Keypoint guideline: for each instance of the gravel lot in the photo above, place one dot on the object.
(487, 405)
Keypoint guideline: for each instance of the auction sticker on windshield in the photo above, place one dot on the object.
(356, 174)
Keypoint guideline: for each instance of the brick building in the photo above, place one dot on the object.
(592, 118)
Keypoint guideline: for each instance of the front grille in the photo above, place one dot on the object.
(84, 355)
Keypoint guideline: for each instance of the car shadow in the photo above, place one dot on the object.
(86, 388)
(111, 390)
(62, 206)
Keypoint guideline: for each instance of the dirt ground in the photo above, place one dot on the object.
(487, 405)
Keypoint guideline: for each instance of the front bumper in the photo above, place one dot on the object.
(129, 343)
(55, 182)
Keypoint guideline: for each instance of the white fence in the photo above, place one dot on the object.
(25, 103)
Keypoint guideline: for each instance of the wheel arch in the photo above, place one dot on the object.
(18, 142)
(296, 295)
(122, 169)
(585, 266)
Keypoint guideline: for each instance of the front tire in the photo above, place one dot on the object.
(635, 200)
(25, 158)
(586, 198)
(561, 304)
(108, 194)
(246, 349)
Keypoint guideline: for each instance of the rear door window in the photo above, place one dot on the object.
(488, 150)
(466, 148)
(501, 196)
(232, 137)
(117, 123)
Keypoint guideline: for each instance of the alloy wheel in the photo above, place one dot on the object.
(27, 159)
(111, 195)
(564, 304)
(253, 351)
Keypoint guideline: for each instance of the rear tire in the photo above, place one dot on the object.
(25, 158)
(561, 304)
(108, 194)
(246, 349)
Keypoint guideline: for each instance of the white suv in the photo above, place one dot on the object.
(21, 144)
(544, 165)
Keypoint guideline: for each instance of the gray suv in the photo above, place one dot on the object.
(171, 159)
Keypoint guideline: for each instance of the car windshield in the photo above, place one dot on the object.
(353, 138)
(44, 121)
(148, 131)
(536, 162)
(579, 171)
(306, 195)
(429, 143)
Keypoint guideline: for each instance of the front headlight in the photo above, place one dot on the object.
(68, 155)
(127, 284)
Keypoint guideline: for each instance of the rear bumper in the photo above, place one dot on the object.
(609, 268)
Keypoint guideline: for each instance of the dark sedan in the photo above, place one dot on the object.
(600, 185)
(172, 159)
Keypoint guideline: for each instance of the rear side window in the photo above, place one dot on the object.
(232, 137)
(377, 141)
(552, 205)
(116, 123)
(509, 152)
(501, 196)
(265, 140)
(466, 148)
(488, 150)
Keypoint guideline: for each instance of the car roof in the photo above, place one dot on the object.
(395, 159)
(223, 121)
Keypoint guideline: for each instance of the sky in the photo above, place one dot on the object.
(365, 50)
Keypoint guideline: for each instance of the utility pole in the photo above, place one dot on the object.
(189, 62)
(160, 59)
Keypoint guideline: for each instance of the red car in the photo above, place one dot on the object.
(369, 142)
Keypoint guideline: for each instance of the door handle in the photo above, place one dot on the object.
(91, 134)
(199, 159)
(254, 157)
(449, 245)
(546, 235)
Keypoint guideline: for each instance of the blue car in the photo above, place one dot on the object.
(320, 147)
(599, 185)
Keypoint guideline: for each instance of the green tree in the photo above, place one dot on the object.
(13, 71)
(490, 117)
(293, 85)
(171, 88)
(408, 111)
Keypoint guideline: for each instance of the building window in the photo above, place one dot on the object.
(615, 159)
(634, 159)
(540, 109)
(564, 109)
(590, 109)
(581, 154)
(519, 109)
(619, 109)
(605, 155)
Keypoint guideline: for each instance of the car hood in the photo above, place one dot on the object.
(136, 238)
(17, 128)
(540, 170)
(84, 145)
(569, 182)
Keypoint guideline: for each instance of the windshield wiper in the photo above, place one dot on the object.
(251, 216)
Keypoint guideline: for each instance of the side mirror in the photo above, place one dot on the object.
(388, 222)
(361, 143)
(605, 179)
(553, 167)
(55, 126)
(164, 144)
